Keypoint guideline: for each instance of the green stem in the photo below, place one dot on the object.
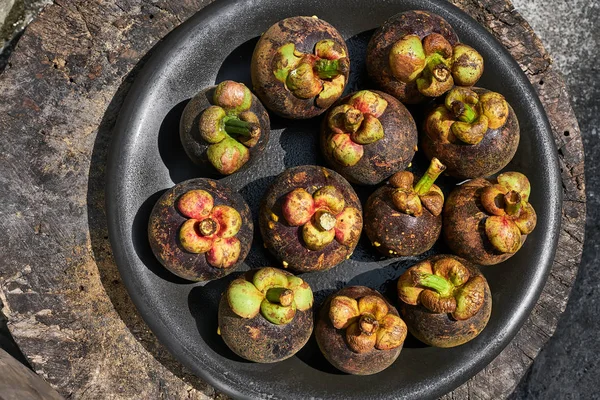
(435, 282)
(437, 68)
(234, 125)
(464, 112)
(280, 295)
(432, 173)
(327, 69)
(512, 201)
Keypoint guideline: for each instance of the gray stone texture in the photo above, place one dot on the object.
(568, 366)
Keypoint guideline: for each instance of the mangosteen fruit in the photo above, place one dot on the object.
(402, 219)
(359, 332)
(475, 133)
(224, 127)
(487, 221)
(266, 315)
(445, 300)
(310, 218)
(300, 67)
(367, 136)
(416, 55)
(200, 230)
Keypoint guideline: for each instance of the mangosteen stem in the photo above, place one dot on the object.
(352, 119)
(325, 220)
(431, 281)
(207, 227)
(327, 69)
(464, 112)
(435, 169)
(512, 201)
(437, 68)
(368, 324)
(280, 295)
(234, 125)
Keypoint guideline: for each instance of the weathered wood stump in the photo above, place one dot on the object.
(68, 310)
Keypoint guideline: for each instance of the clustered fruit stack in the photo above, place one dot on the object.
(311, 218)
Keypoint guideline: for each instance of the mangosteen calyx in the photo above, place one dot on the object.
(511, 213)
(368, 323)
(355, 124)
(465, 116)
(323, 216)
(410, 200)
(229, 127)
(273, 294)
(446, 286)
(209, 229)
(320, 75)
(434, 64)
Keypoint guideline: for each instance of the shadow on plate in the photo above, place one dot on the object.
(139, 233)
(203, 302)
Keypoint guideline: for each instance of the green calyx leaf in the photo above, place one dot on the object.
(276, 313)
(303, 295)
(243, 298)
(286, 61)
(267, 278)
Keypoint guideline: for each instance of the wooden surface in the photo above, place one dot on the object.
(68, 309)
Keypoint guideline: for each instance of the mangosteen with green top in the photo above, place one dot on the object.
(224, 127)
(416, 55)
(487, 221)
(266, 315)
(404, 218)
(475, 133)
(444, 300)
(300, 67)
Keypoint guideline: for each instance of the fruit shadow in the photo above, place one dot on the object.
(236, 66)
(141, 244)
(253, 192)
(203, 302)
(172, 154)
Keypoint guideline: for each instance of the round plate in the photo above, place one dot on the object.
(146, 158)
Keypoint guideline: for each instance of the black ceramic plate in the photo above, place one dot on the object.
(147, 158)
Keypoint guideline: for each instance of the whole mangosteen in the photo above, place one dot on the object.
(367, 136)
(300, 67)
(475, 133)
(405, 220)
(359, 332)
(487, 221)
(310, 218)
(266, 316)
(223, 127)
(416, 54)
(200, 230)
(444, 300)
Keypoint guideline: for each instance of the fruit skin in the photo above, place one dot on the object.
(420, 23)
(284, 241)
(332, 342)
(196, 148)
(464, 219)
(382, 158)
(490, 155)
(165, 222)
(441, 330)
(257, 339)
(304, 32)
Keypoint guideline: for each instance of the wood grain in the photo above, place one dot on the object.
(68, 309)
